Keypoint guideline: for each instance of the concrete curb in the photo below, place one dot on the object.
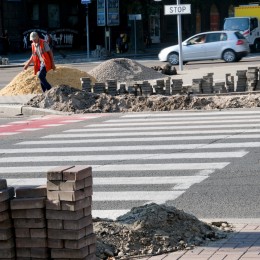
(30, 111)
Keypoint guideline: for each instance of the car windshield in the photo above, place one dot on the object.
(239, 24)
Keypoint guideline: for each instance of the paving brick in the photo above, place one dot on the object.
(23, 252)
(77, 224)
(55, 174)
(83, 242)
(6, 234)
(69, 253)
(66, 234)
(78, 172)
(53, 185)
(7, 244)
(28, 213)
(3, 184)
(55, 243)
(38, 233)
(88, 191)
(64, 214)
(8, 253)
(5, 215)
(30, 242)
(22, 232)
(66, 195)
(89, 230)
(55, 224)
(28, 203)
(32, 191)
(89, 181)
(72, 185)
(6, 194)
(76, 205)
(40, 253)
(29, 223)
(92, 248)
(4, 205)
(6, 224)
(53, 204)
(87, 211)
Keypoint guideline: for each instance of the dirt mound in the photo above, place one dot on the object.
(67, 99)
(27, 83)
(153, 229)
(122, 70)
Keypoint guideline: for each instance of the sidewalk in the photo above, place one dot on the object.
(242, 244)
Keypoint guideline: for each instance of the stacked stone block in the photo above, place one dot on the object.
(168, 86)
(68, 213)
(122, 89)
(99, 88)
(86, 84)
(196, 86)
(28, 214)
(7, 245)
(230, 83)
(219, 87)
(112, 87)
(241, 81)
(207, 84)
(147, 88)
(176, 86)
(159, 87)
(252, 78)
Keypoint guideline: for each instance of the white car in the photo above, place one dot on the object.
(227, 45)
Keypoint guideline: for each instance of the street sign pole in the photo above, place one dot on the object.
(178, 10)
(180, 39)
(86, 2)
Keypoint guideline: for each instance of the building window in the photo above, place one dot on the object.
(53, 16)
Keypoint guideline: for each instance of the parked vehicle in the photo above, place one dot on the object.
(227, 45)
(247, 22)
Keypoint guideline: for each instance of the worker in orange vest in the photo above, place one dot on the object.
(43, 60)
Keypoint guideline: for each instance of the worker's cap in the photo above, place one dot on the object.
(33, 36)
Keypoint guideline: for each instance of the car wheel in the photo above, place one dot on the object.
(173, 58)
(229, 56)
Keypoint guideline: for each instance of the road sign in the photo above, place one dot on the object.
(135, 17)
(85, 2)
(177, 9)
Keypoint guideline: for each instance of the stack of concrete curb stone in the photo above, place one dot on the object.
(7, 245)
(247, 80)
(52, 222)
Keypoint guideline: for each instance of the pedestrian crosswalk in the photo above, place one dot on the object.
(138, 158)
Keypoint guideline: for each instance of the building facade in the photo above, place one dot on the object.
(68, 21)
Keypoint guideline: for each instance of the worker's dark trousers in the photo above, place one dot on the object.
(42, 76)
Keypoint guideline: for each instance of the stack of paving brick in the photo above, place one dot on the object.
(86, 84)
(176, 86)
(122, 89)
(252, 78)
(28, 214)
(230, 83)
(68, 213)
(147, 88)
(196, 86)
(219, 87)
(99, 87)
(111, 87)
(159, 88)
(207, 84)
(7, 246)
(168, 86)
(241, 80)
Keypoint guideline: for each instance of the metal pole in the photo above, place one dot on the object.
(179, 38)
(87, 30)
(135, 34)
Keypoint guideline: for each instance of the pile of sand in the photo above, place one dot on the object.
(27, 83)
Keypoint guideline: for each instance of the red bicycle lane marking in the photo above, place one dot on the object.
(44, 122)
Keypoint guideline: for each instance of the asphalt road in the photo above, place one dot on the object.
(206, 163)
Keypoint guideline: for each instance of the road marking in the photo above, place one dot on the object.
(149, 196)
(123, 167)
(122, 157)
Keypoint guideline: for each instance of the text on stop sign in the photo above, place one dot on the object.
(177, 9)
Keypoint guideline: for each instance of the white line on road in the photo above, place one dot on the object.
(121, 157)
(123, 167)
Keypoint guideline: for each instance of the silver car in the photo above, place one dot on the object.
(227, 45)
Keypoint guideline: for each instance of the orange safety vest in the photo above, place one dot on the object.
(45, 56)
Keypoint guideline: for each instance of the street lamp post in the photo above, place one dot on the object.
(86, 2)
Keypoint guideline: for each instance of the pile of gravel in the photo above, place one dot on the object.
(153, 229)
(122, 70)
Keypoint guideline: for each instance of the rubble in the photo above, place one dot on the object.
(153, 229)
(67, 99)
